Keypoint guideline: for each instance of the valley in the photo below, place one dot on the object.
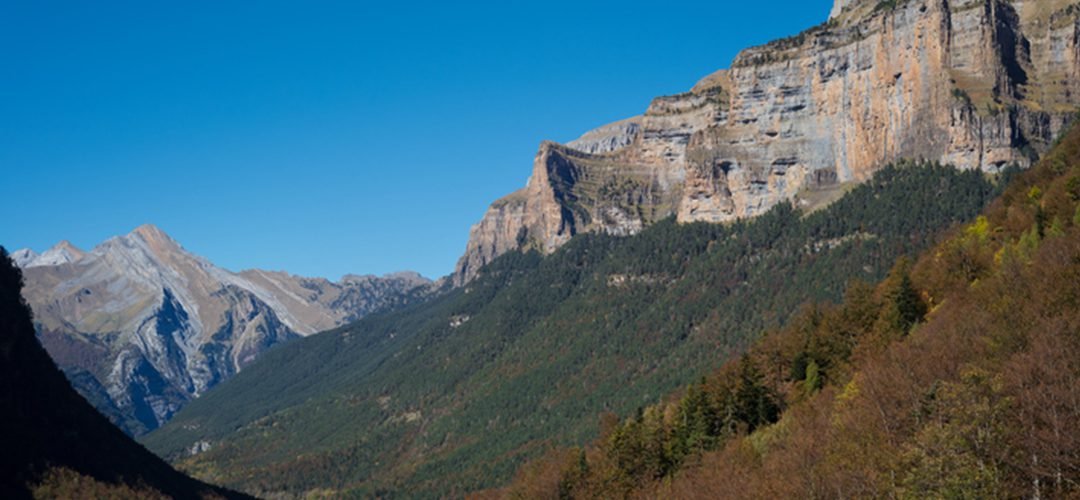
(844, 265)
(450, 396)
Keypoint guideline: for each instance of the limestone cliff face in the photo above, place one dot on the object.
(979, 84)
(141, 326)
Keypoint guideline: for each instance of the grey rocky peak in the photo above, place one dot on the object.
(141, 325)
(978, 84)
(23, 257)
(61, 253)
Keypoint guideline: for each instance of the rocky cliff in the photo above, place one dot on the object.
(979, 84)
(141, 326)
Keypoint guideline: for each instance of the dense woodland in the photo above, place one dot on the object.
(453, 395)
(957, 376)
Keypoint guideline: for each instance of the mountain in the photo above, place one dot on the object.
(62, 253)
(979, 84)
(450, 395)
(23, 257)
(606, 283)
(955, 377)
(141, 326)
(55, 444)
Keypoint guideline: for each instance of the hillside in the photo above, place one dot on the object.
(55, 445)
(955, 377)
(450, 396)
(141, 326)
(979, 84)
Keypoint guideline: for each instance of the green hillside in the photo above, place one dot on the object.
(452, 395)
(957, 376)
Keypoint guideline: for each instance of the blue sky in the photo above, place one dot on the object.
(324, 138)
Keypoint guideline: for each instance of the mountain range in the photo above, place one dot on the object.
(141, 326)
(675, 305)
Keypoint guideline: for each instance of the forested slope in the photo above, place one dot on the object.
(958, 376)
(453, 395)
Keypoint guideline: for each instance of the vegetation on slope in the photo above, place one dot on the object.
(452, 395)
(55, 445)
(955, 377)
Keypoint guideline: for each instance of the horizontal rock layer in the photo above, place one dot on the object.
(979, 84)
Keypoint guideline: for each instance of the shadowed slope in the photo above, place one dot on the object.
(50, 433)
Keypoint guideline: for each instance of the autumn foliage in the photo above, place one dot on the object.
(957, 376)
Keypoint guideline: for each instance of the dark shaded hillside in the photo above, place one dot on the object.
(54, 444)
(452, 395)
(958, 376)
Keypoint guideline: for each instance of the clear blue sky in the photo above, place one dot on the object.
(324, 138)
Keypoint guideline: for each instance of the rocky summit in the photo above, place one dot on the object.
(140, 326)
(978, 84)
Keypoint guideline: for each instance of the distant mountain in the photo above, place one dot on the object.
(54, 444)
(23, 257)
(141, 326)
(61, 253)
(979, 84)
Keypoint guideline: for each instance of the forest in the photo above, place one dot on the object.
(956, 376)
(453, 395)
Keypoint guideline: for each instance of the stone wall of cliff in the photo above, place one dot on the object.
(973, 83)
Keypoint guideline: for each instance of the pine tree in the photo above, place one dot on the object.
(901, 305)
(756, 405)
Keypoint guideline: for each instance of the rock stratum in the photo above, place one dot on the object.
(978, 84)
(140, 326)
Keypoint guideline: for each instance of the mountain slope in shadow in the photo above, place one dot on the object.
(55, 445)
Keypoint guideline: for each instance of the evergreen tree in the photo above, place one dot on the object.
(901, 305)
(756, 404)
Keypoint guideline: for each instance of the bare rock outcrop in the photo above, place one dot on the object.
(141, 326)
(979, 84)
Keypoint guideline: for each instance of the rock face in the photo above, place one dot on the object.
(838, 8)
(979, 84)
(141, 326)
